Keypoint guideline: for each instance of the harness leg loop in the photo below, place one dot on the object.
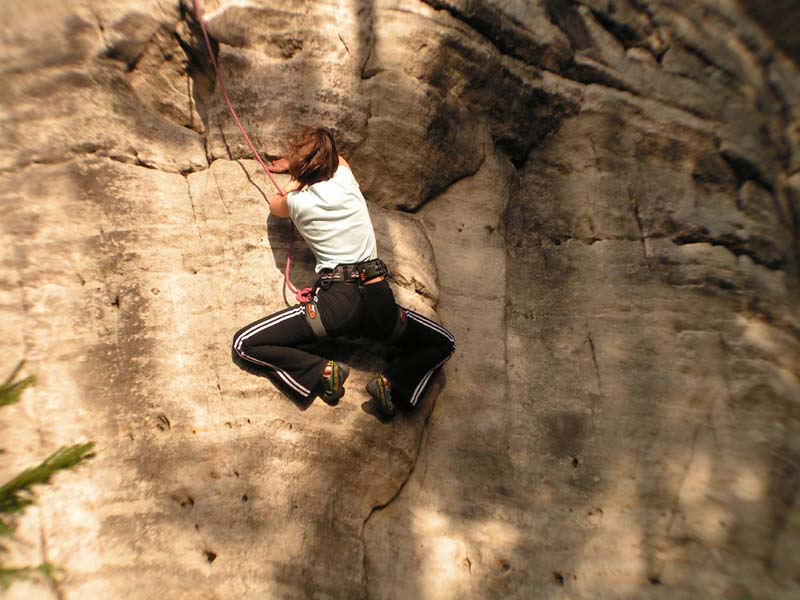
(314, 320)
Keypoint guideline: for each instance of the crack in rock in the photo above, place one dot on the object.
(379, 507)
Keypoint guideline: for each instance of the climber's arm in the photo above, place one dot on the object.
(279, 205)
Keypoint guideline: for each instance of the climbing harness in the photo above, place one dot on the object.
(314, 320)
(303, 296)
(361, 272)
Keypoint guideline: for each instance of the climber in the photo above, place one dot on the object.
(351, 296)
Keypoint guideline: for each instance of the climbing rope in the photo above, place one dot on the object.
(303, 295)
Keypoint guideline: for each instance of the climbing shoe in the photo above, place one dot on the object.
(380, 389)
(333, 386)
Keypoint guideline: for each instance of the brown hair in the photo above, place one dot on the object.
(312, 155)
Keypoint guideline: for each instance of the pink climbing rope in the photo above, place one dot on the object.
(303, 295)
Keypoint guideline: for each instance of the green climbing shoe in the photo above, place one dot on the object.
(333, 386)
(380, 389)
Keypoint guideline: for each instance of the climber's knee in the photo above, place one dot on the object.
(240, 345)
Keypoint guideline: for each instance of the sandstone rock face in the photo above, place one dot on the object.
(600, 198)
(778, 19)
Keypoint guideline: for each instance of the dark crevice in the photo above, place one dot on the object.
(745, 170)
(198, 66)
(341, 39)
(784, 112)
(590, 72)
(627, 35)
(621, 32)
(253, 183)
(366, 21)
(547, 122)
(200, 76)
(415, 458)
(563, 15)
(735, 246)
(139, 162)
(762, 309)
(594, 353)
(779, 19)
(131, 65)
(503, 32)
(593, 397)
(785, 484)
(794, 212)
(438, 192)
(558, 239)
(706, 60)
(645, 10)
(194, 216)
(225, 141)
(642, 234)
(118, 53)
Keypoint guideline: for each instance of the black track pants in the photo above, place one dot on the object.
(423, 345)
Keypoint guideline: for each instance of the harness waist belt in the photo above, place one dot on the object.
(356, 272)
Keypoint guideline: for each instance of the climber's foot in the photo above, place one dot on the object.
(380, 389)
(332, 381)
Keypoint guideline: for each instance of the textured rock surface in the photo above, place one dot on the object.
(778, 19)
(606, 199)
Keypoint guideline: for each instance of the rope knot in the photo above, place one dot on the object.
(304, 296)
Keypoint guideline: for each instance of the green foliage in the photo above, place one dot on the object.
(17, 494)
(10, 390)
(9, 576)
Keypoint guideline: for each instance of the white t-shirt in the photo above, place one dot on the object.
(333, 219)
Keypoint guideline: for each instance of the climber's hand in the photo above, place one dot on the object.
(279, 166)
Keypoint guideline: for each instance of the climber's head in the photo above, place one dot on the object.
(312, 155)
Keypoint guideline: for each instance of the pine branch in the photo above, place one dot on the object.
(17, 494)
(10, 390)
(9, 576)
